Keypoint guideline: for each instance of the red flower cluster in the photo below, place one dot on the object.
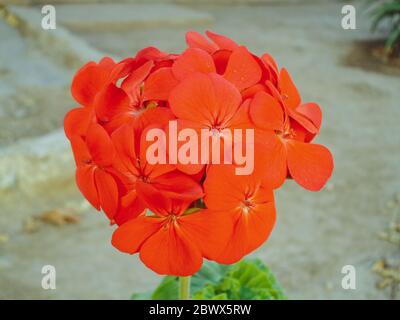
(175, 215)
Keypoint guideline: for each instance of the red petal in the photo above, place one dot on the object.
(108, 192)
(124, 142)
(242, 69)
(266, 112)
(221, 41)
(90, 79)
(211, 230)
(153, 198)
(111, 101)
(131, 83)
(171, 251)
(241, 119)
(313, 112)
(159, 85)
(271, 65)
(310, 165)
(221, 58)
(175, 146)
(253, 90)
(130, 236)
(80, 150)
(252, 224)
(302, 120)
(174, 185)
(272, 90)
(270, 61)
(193, 60)
(269, 154)
(150, 53)
(76, 121)
(191, 169)
(85, 84)
(131, 207)
(99, 145)
(250, 231)
(179, 186)
(196, 40)
(274, 166)
(122, 69)
(291, 96)
(85, 181)
(153, 170)
(159, 116)
(206, 99)
(221, 178)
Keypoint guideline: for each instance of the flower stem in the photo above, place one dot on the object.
(184, 288)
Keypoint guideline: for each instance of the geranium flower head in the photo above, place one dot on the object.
(141, 157)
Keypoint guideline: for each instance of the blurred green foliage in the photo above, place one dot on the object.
(387, 12)
(245, 280)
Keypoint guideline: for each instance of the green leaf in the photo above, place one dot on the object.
(167, 290)
(394, 37)
(245, 280)
(387, 11)
(210, 272)
(141, 296)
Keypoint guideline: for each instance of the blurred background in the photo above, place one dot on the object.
(354, 220)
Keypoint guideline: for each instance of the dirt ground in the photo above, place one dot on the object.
(34, 94)
(316, 233)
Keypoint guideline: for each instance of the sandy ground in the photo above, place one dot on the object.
(34, 94)
(316, 233)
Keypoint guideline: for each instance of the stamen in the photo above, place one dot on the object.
(246, 205)
(287, 134)
(170, 219)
